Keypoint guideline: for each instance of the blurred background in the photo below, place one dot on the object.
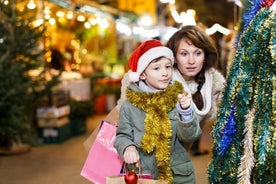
(61, 61)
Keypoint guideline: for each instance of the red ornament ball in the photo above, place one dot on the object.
(131, 178)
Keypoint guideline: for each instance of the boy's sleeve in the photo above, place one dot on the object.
(190, 130)
(185, 114)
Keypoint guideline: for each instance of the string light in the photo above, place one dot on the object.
(145, 20)
(31, 5)
(219, 28)
(6, 2)
(168, 1)
(87, 25)
(184, 18)
(69, 15)
(81, 18)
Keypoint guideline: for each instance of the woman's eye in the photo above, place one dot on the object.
(184, 54)
(198, 53)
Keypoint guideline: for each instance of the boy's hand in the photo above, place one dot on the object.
(184, 100)
(131, 155)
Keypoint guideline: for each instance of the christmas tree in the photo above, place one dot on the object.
(245, 134)
(21, 52)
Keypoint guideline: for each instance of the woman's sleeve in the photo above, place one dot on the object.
(218, 86)
(217, 95)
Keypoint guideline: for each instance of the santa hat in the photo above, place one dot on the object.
(144, 54)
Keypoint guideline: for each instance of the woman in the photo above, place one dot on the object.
(195, 56)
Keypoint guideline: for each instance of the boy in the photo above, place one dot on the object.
(157, 117)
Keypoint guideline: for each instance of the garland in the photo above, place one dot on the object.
(228, 132)
(158, 130)
(247, 160)
(250, 12)
(250, 85)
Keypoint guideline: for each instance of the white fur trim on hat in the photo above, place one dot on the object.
(147, 57)
(133, 76)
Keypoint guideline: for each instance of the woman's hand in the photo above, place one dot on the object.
(131, 155)
(184, 100)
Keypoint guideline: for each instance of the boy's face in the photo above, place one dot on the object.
(158, 73)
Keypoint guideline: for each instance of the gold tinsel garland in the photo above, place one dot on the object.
(247, 160)
(273, 119)
(158, 130)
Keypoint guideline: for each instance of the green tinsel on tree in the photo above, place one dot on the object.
(245, 134)
(21, 51)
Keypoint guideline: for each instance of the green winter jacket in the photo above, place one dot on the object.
(131, 130)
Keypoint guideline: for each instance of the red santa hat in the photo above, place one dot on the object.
(144, 54)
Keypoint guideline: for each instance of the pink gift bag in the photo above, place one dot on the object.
(103, 159)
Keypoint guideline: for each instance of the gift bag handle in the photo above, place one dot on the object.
(125, 168)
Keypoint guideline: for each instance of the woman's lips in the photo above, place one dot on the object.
(190, 69)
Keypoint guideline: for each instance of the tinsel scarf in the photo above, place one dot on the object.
(158, 130)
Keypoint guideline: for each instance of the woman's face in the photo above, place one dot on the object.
(189, 59)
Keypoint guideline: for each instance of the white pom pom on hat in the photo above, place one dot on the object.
(144, 54)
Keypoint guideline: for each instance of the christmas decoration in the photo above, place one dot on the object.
(21, 53)
(228, 132)
(244, 148)
(251, 9)
(131, 178)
